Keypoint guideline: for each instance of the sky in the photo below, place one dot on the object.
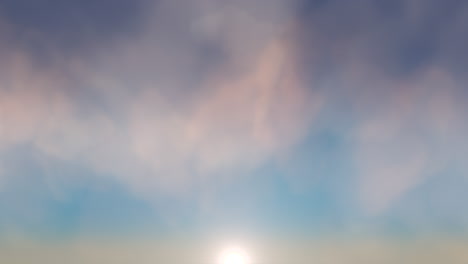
(304, 131)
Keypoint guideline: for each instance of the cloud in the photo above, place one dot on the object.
(172, 98)
(394, 84)
(412, 137)
(150, 112)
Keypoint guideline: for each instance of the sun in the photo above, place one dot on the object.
(234, 256)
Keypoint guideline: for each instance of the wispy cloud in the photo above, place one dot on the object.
(150, 113)
(171, 98)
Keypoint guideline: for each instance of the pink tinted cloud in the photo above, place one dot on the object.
(245, 113)
(411, 135)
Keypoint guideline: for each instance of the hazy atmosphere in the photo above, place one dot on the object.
(278, 131)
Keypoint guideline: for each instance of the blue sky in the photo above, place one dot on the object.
(294, 126)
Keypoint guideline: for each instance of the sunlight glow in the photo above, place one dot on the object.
(234, 256)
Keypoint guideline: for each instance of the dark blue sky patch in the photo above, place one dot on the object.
(306, 8)
(396, 37)
(54, 25)
(388, 8)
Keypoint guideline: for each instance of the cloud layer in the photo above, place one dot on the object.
(174, 99)
(180, 106)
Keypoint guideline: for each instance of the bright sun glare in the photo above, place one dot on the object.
(234, 256)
